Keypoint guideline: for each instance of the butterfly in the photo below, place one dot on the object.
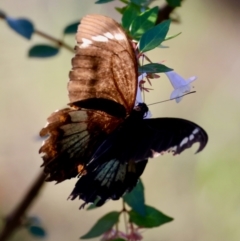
(103, 137)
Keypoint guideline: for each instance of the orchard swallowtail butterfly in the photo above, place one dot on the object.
(102, 137)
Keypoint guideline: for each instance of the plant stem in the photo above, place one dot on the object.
(57, 41)
(13, 221)
(47, 36)
(124, 216)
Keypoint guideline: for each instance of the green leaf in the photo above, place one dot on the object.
(135, 199)
(130, 13)
(153, 68)
(172, 36)
(42, 51)
(102, 225)
(22, 26)
(118, 239)
(153, 218)
(103, 1)
(71, 28)
(37, 231)
(121, 10)
(174, 3)
(154, 36)
(139, 2)
(124, 1)
(144, 22)
(93, 205)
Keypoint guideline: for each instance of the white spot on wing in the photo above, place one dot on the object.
(174, 149)
(108, 35)
(155, 154)
(85, 43)
(100, 38)
(191, 137)
(184, 141)
(195, 131)
(118, 36)
(43, 143)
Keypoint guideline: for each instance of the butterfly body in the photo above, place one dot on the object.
(102, 137)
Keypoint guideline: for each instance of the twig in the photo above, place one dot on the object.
(57, 41)
(124, 216)
(13, 221)
(47, 36)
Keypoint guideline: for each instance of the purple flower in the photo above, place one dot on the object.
(180, 85)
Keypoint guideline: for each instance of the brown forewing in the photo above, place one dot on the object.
(104, 65)
(73, 135)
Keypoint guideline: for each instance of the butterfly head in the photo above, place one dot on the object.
(140, 110)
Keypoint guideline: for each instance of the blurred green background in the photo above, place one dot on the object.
(202, 192)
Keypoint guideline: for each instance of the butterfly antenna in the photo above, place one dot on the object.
(143, 95)
(173, 98)
(143, 83)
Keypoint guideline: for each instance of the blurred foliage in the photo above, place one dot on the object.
(102, 225)
(153, 218)
(154, 68)
(71, 28)
(24, 27)
(43, 51)
(136, 199)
